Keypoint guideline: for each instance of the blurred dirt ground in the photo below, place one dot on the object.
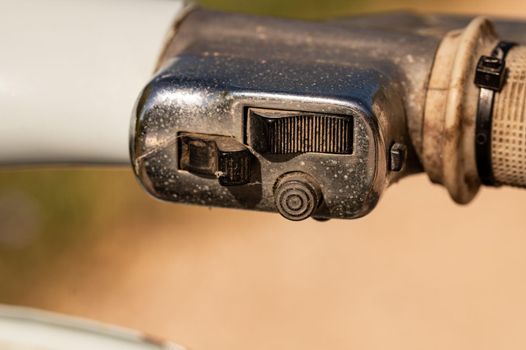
(418, 273)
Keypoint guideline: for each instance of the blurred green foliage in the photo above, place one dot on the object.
(73, 208)
(290, 8)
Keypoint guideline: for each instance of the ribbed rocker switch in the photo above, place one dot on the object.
(277, 132)
(215, 156)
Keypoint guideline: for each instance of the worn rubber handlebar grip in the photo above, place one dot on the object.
(508, 134)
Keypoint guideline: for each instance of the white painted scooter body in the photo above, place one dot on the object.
(29, 329)
(70, 71)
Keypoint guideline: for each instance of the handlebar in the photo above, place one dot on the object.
(307, 120)
(310, 119)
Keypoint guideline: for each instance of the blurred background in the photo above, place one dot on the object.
(419, 272)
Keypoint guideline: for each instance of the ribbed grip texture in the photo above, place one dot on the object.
(508, 136)
(311, 133)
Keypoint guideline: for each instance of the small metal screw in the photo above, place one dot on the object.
(398, 156)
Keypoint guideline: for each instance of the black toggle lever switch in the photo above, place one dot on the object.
(215, 156)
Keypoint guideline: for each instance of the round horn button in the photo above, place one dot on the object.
(297, 196)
